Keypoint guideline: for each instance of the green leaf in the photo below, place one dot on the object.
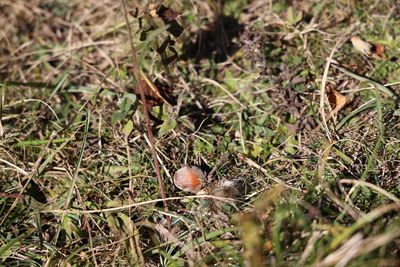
(112, 223)
(299, 17)
(125, 105)
(128, 127)
(145, 46)
(290, 147)
(342, 155)
(290, 16)
(353, 113)
(186, 122)
(131, 97)
(159, 113)
(293, 18)
(167, 127)
(126, 223)
(117, 116)
(10, 245)
(256, 150)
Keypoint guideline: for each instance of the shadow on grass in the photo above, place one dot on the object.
(216, 42)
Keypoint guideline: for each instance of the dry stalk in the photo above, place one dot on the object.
(139, 78)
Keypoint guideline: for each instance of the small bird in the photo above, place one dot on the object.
(376, 51)
(361, 45)
(189, 178)
(228, 189)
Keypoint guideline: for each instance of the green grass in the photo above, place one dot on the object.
(78, 185)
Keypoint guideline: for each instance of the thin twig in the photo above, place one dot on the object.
(138, 204)
(1, 113)
(216, 84)
(139, 79)
(372, 186)
(18, 169)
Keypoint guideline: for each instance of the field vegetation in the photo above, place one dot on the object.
(290, 108)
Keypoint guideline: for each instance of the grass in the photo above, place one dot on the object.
(247, 103)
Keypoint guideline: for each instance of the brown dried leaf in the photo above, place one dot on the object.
(156, 94)
(337, 100)
(167, 14)
(153, 10)
(292, 127)
(169, 18)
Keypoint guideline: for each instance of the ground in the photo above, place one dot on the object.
(294, 126)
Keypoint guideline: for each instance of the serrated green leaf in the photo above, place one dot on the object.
(112, 223)
(167, 127)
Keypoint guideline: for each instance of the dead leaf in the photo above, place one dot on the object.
(156, 93)
(337, 100)
(152, 10)
(167, 14)
(292, 127)
(169, 18)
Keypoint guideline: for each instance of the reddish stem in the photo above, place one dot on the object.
(139, 79)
